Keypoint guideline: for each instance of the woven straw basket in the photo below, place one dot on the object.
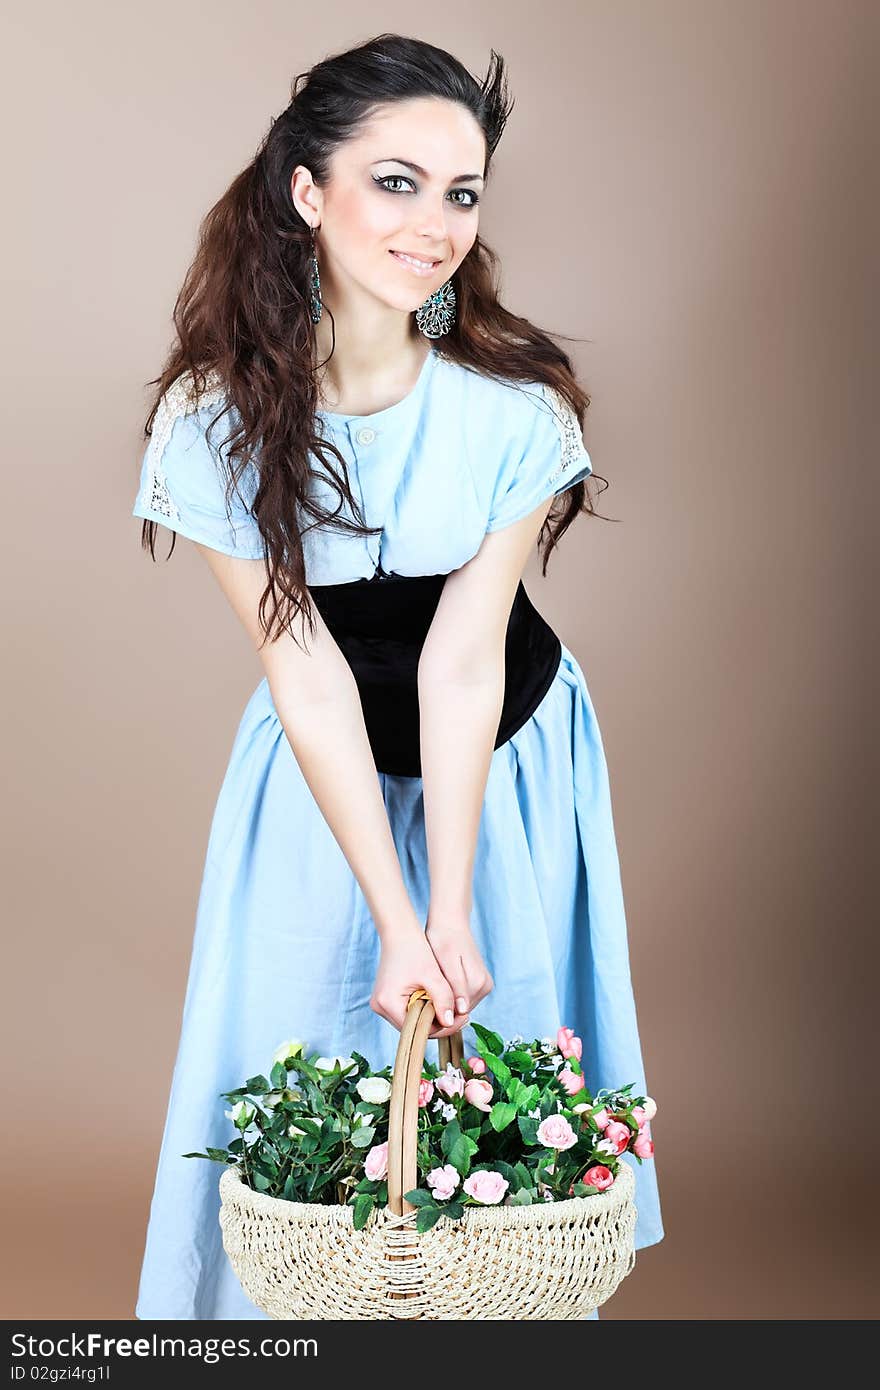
(301, 1260)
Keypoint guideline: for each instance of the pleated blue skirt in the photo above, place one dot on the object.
(284, 946)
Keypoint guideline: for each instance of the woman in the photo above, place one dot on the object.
(365, 445)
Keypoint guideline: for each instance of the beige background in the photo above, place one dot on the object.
(684, 188)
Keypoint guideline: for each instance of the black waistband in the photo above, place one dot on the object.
(380, 625)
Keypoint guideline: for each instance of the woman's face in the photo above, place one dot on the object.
(378, 208)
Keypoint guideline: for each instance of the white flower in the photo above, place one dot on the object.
(548, 1044)
(449, 1112)
(241, 1111)
(515, 1040)
(577, 1109)
(375, 1089)
(536, 1113)
(548, 1196)
(606, 1146)
(293, 1048)
(331, 1063)
(438, 1103)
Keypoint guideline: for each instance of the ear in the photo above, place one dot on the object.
(306, 196)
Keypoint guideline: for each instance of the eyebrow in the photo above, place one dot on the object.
(417, 169)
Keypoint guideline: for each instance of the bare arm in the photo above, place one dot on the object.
(461, 692)
(317, 701)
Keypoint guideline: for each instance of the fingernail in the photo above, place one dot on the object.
(462, 1005)
(448, 1016)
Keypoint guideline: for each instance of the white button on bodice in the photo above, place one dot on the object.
(365, 435)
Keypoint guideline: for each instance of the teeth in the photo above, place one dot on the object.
(423, 265)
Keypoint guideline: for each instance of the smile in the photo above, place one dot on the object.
(418, 267)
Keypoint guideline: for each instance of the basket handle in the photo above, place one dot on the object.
(403, 1116)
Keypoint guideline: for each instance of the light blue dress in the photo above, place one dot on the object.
(284, 944)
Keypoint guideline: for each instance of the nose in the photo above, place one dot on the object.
(431, 226)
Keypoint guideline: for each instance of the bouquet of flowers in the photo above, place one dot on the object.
(513, 1125)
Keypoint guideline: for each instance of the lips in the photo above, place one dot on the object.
(422, 260)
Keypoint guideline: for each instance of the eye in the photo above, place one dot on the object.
(390, 178)
(384, 180)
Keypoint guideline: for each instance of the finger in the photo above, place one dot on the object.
(458, 980)
(453, 968)
(442, 999)
(446, 1031)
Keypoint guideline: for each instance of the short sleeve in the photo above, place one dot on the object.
(548, 458)
(183, 478)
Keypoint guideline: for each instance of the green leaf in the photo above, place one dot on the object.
(363, 1205)
(261, 1182)
(278, 1076)
(499, 1069)
(450, 1136)
(454, 1208)
(290, 1190)
(419, 1197)
(528, 1128)
(522, 1096)
(363, 1136)
(501, 1115)
(257, 1086)
(491, 1041)
(524, 1177)
(523, 1061)
(322, 1182)
(428, 1217)
(522, 1198)
(195, 1155)
(460, 1154)
(497, 1165)
(305, 1122)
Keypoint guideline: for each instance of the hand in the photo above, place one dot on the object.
(455, 951)
(406, 962)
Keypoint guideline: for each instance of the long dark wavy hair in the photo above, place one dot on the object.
(242, 313)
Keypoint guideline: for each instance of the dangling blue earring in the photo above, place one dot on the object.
(437, 315)
(316, 305)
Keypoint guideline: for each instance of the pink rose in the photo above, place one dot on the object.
(477, 1065)
(556, 1133)
(572, 1081)
(486, 1187)
(643, 1115)
(451, 1083)
(479, 1093)
(426, 1091)
(443, 1182)
(598, 1176)
(617, 1134)
(376, 1162)
(602, 1118)
(569, 1045)
(643, 1146)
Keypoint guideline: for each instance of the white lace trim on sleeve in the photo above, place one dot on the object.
(571, 441)
(177, 401)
